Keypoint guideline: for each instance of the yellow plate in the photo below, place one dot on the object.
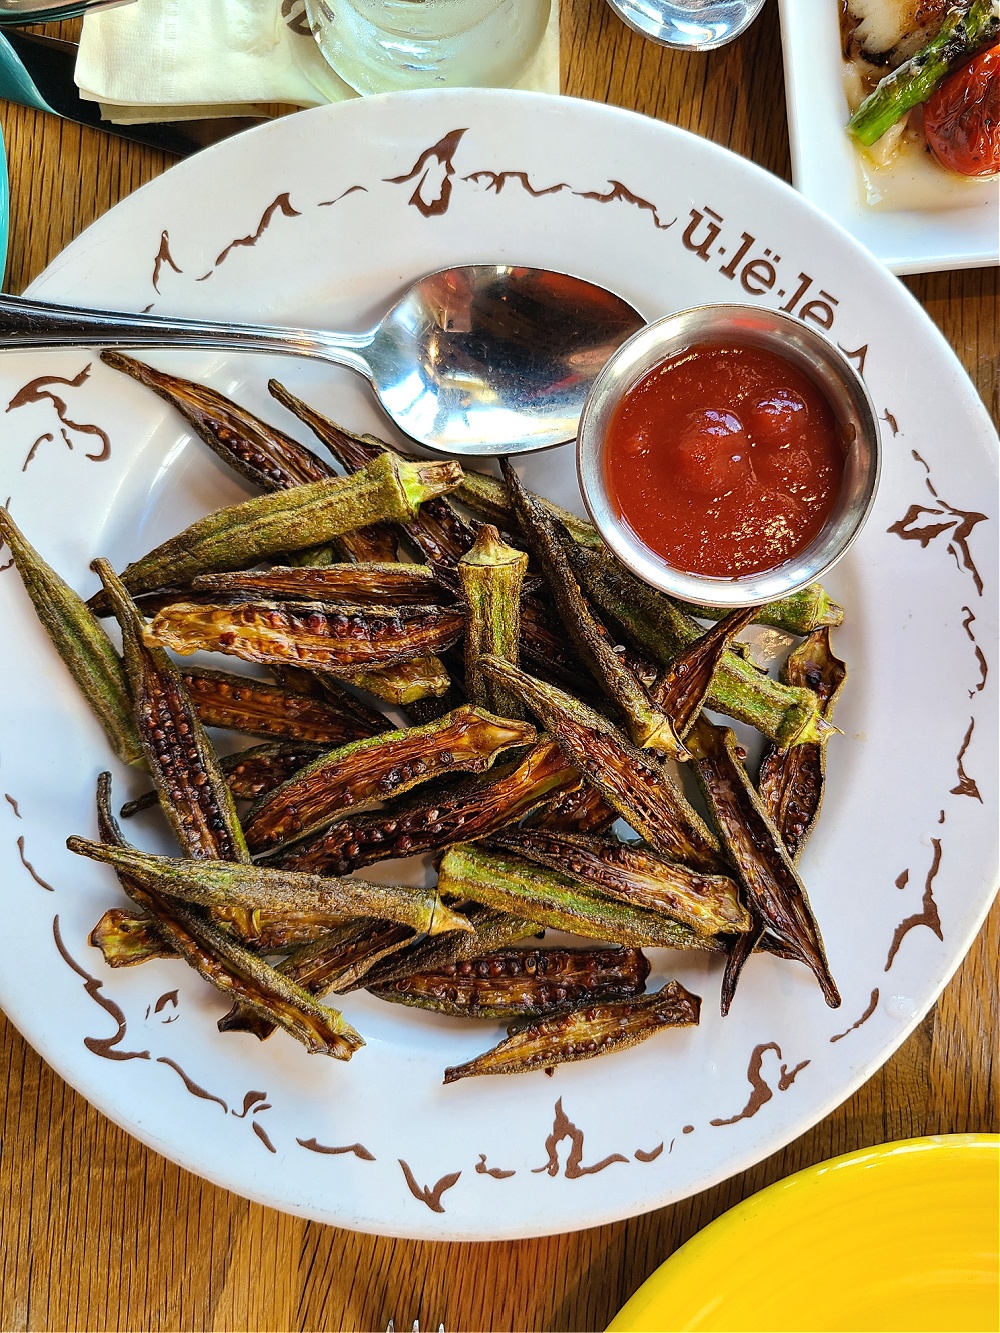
(901, 1237)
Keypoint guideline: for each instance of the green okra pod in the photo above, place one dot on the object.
(492, 575)
(521, 982)
(800, 613)
(787, 715)
(193, 791)
(517, 886)
(638, 787)
(227, 965)
(322, 637)
(774, 892)
(648, 725)
(358, 776)
(225, 884)
(791, 782)
(707, 903)
(583, 1030)
(488, 498)
(80, 641)
(303, 516)
(437, 530)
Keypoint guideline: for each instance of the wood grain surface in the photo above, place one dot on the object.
(98, 1232)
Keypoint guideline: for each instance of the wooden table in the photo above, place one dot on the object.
(98, 1232)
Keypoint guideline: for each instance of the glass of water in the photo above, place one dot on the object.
(378, 46)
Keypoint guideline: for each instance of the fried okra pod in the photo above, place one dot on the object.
(337, 639)
(791, 781)
(357, 776)
(492, 575)
(193, 791)
(638, 787)
(648, 725)
(786, 715)
(303, 516)
(774, 892)
(510, 884)
(247, 888)
(78, 638)
(707, 903)
(521, 982)
(582, 1031)
(474, 809)
(227, 965)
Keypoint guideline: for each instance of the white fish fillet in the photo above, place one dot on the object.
(897, 26)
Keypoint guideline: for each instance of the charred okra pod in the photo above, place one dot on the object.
(584, 1030)
(648, 726)
(225, 884)
(424, 677)
(383, 583)
(193, 790)
(800, 613)
(243, 703)
(522, 983)
(304, 516)
(80, 641)
(582, 811)
(774, 891)
(492, 575)
(128, 937)
(250, 773)
(707, 903)
(437, 530)
(791, 781)
(261, 453)
(476, 809)
(229, 967)
(513, 885)
(492, 931)
(638, 787)
(338, 639)
(327, 964)
(357, 776)
(683, 686)
(786, 715)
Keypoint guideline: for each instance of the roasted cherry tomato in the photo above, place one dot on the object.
(962, 118)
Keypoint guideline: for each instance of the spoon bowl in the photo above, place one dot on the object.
(478, 359)
(689, 25)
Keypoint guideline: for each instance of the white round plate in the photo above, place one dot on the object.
(324, 217)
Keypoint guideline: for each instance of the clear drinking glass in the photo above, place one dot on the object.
(378, 46)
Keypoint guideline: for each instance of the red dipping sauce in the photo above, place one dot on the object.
(724, 460)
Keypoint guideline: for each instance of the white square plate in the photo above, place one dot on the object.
(824, 167)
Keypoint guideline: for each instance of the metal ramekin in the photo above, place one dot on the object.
(808, 350)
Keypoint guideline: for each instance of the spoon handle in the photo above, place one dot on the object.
(25, 324)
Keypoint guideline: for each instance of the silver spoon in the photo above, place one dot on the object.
(483, 359)
(689, 25)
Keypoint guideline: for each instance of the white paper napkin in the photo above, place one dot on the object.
(187, 60)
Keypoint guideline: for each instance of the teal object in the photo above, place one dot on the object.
(17, 19)
(16, 83)
(4, 209)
